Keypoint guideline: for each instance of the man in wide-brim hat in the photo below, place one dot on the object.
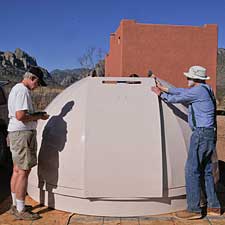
(202, 119)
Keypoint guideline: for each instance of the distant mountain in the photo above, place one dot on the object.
(68, 76)
(68, 71)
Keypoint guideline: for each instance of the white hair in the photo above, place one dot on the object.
(28, 75)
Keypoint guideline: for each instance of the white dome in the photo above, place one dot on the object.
(111, 148)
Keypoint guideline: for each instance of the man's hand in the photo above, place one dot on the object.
(161, 87)
(156, 90)
(45, 116)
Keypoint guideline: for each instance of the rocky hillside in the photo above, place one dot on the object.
(14, 64)
(18, 59)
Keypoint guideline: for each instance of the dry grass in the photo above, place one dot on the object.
(43, 96)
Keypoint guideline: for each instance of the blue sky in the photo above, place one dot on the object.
(58, 32)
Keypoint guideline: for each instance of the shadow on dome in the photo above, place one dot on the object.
(53, 141)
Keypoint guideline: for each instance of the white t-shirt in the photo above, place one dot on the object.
(20, 99)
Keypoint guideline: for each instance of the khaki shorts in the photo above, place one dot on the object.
(23, 145)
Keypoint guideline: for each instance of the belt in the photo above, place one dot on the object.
(204, 128)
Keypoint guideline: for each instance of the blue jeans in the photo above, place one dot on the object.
(199, 168)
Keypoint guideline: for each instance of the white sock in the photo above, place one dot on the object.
(13, 198)
(20, 205)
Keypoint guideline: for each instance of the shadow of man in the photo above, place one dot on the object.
(54, 138)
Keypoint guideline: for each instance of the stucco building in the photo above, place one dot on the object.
(167, 50)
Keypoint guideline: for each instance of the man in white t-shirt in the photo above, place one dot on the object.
(22, 137)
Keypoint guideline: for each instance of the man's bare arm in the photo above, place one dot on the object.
(24, 116)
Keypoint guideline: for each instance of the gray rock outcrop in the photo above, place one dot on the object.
(19, 59)
(14, 64)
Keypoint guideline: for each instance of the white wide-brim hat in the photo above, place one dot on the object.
(197, 72)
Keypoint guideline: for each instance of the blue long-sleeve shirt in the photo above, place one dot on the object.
(199, 98)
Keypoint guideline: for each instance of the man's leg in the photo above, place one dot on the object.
(14, 180)
(13, 189)
(212, 199)
(21, 188)
(192, 175)
(18, 181)
(14, 174)
(207, 148)
(23, 148)
(21, 184)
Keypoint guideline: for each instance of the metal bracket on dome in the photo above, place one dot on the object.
(120, 82)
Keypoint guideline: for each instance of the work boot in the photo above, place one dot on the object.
(13, 209)
(187, 215)
(26, 215)
(213, 212)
